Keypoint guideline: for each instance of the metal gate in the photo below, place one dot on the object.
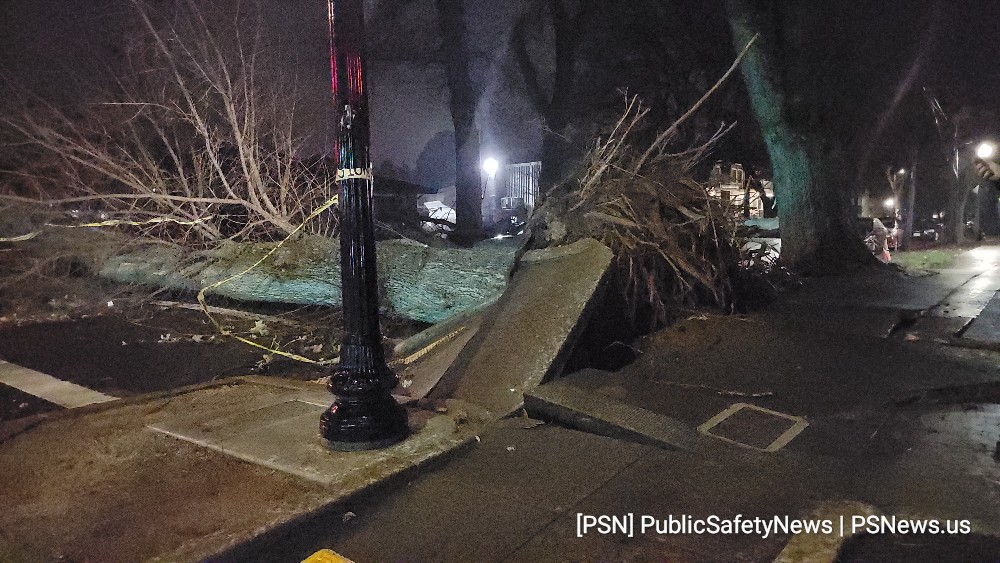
(521, 187)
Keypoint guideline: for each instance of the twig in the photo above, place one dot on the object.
(658, 143)
(226, 312)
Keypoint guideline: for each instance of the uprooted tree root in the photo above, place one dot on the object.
(673, 242)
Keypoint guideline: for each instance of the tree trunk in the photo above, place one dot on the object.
(954, 219)
(991, 217)
(910, 208)
(555, 108)
(554, 145)
(421, 283)
(809, 178)
(464, 98)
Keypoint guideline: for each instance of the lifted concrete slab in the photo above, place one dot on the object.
(986, 326)
(599, 414)
(426, 365)
(530, 333)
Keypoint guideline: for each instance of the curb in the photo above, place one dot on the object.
(825, 548)
(13, 428)
(244, 549)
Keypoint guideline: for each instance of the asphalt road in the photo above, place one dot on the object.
(15, 403)
(54, 365)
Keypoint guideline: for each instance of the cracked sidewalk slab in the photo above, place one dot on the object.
(529, 334)
(598, 414)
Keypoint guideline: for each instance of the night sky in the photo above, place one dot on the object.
(57, 47)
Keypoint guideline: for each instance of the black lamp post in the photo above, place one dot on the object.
(364, 415)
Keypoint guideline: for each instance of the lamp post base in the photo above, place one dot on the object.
(363, 423)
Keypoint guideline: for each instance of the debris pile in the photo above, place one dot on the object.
(674, 243)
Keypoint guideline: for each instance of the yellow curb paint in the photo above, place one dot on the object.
(326, 556)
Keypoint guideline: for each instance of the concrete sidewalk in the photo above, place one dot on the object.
(811, 408)
(189, 475)
(197, 473)
(812, 403)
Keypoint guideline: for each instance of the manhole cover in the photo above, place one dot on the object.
(754, 427)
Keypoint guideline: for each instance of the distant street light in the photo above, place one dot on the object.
(986, 150)
(890, 202)
(364, 415)
(490, 166)
(901, 171)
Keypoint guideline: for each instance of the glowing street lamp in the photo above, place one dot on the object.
(986, 150)
(890, 202)
(490, 166)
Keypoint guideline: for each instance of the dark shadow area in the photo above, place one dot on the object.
(118, 357)
(606, 342)
(917, 548)
(15, 403)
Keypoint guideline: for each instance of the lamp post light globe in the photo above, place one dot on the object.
(890, 202)
(986, 150)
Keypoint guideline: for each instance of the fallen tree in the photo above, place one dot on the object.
(674, 240)
(417, 281)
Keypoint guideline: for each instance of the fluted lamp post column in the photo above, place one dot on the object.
(364, 414)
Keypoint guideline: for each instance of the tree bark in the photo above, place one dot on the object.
(954, 219)
(911, 201)
(809, 178)
(421, 283)
(464, 98)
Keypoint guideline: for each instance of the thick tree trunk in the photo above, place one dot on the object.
(990, 213)
(809, 176)
(954, 218)
(464, 98)
(555, 108)
(567, 37)
(910, 206)
(421, 283)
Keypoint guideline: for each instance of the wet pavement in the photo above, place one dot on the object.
(905, 426)
(122, 358)
(15, 403)
(888, 421)
(955, 548)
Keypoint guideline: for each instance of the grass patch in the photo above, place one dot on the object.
(934, 259)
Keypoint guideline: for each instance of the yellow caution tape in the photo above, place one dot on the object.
(20, 238)
(222, 330)
(423, 351)
(116, 222)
